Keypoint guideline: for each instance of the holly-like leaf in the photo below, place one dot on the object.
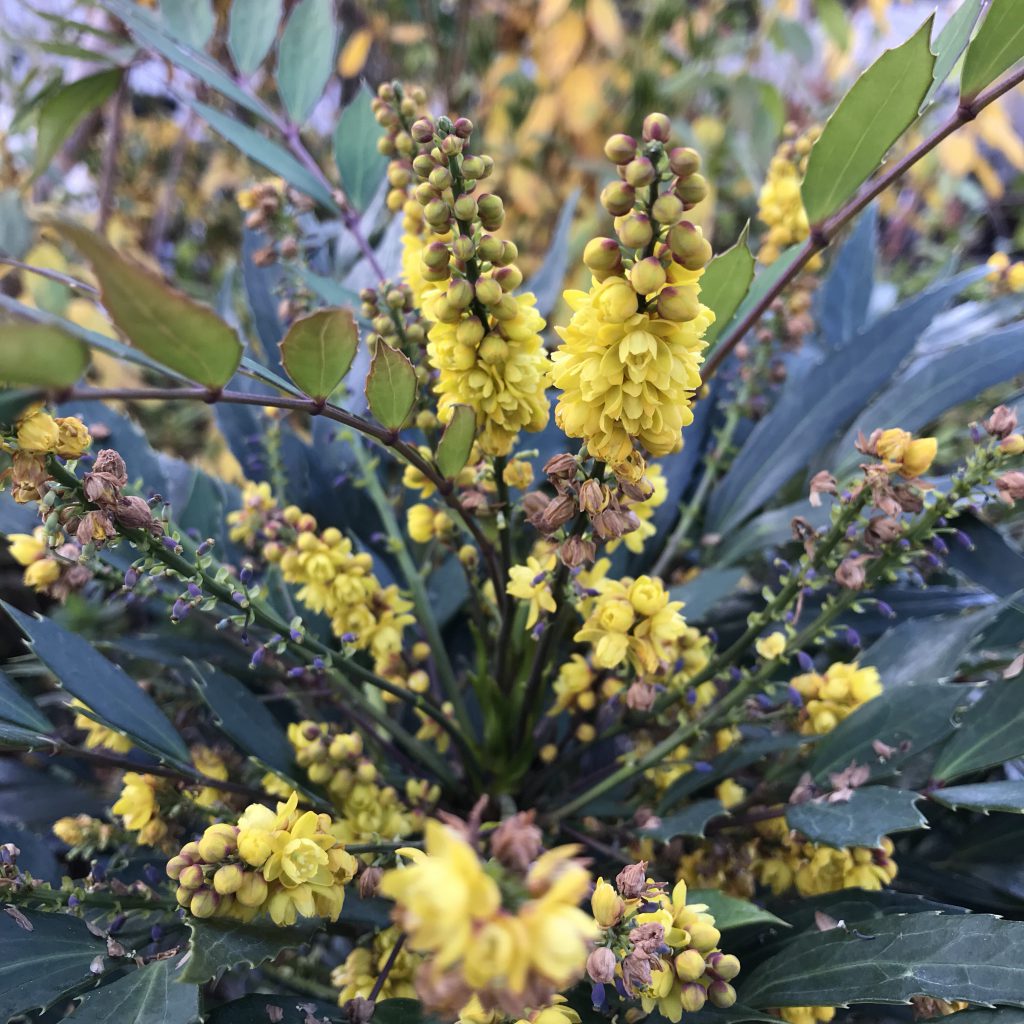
(62, 110)
(279, 1007)
(871, 813)
(1003, 795)
(688, 822)
(726, 282)
(879, 108)
(40, 354)
(44, 963)
(305, 56)
(218, 945)
(730, 912)
(252, 28)
(998, 45)
(951, 43)
(318, 350)
(991, 732)
(152, 994)
(101, 685)
(360, 164)
(16, 709)
(390, 386)
(164, 323)
(457, 441)
(972, 957)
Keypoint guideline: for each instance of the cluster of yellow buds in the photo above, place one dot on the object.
(287, 864)
(780, 205)
(50, 570)
(367, 809)
(138, 806)
(356, 976)
(508, 931)
(722, 863)
(828, 698)
(1006, 274)
(629, 363)
(38, 435)
(339, 582)
(392, 311)
(657, 948)
(395, 107)
(85, 833)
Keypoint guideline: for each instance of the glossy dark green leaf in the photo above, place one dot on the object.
(64, 109)
(14, 401)
(998, 45)
(1004, 1015)
(991, 731)
(318, 350)
(730, 912)
(918, 717)
(252, 29)
(880, 107)
(268, 153)
(18, 710)
(871, 813)
(725, 284)
(101, 685)
(305, 56)
(970, 957)
(690, 821)
(189, 21)
(390, 386)
(402, 1011)
(166, 324)
(1004, 795)
(152, 994)
(40, 966)
(40, 354)
(360, 165)
(951, 43)
(284, 1008)
(218, 945)
(457, 441)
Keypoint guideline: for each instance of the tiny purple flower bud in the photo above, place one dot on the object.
(238, 597)
(156, 933)
(295, 673)
(318, 663)
(702, 766)
(764, 702)
(539, 578)
(73, 902)
(195, 590)
(794, 697)
(963, 540)
(179, 610)
(805, 661)
(246, 574)
(257, 657)
(886, 609)
(939, 545)
(117, 924)
(348, 638)
(852, 637)
(131, 577)
(296, 635)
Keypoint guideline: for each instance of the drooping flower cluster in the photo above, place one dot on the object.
(828, 698)
(287, 864)
(508, 931)
(629, 363)
(657, 948)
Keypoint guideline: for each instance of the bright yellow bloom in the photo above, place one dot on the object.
(425, 523)
(901, 453)
(26, 548)
(73, 438)
(209, 762)
(99, 736)
(42, 574)
(139, 809)
(38, 431)
(771, 646)
(627, 375)
(574, 686)
(829, 698)
(532, 582)
(246, 523)
(518, 474)
(781, 208)
(607, 905)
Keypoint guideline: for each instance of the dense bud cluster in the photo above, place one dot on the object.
(629, 361)
(287, 864)
(780, 205)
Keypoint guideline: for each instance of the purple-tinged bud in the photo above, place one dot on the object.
(179, 610)
(238, 597)
(257, 657)
(657, 127)
(131, 577)
(295, 634)
(805, 661)
(794, 697)
(318, 663)
(246, 574)
(885, 609)
(195, 590)
(939, 545)
(963, 540)
(601, 965)
(852, 637)
(620, 149)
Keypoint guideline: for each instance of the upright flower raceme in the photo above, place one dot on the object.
(629, 362)
(780, 205)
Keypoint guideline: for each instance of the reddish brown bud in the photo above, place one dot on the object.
(601, 966)
(1002, 422)
(517, 841)
(631, 881)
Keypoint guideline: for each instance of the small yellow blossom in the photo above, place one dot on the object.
(772, 646)
(532, 582)
(139, 809)
(901, 453)
(99, 736)
(38, 431)
(73, 438)
(245, 524)
(518, 473)
(829, 698)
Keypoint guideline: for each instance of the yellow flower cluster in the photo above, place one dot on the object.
(367, 810)
(209, 762)
(805, 1014)
(82, 830)
(1006, 274)
(287, 864)
(98, 736)
(42, 434)
(245, 524)
(829, 698)
(576, 687)
(901, 453)
(32, 551)
(358, 973)
(780, 205)
(138, 806)
(339, 582)
(451, 906)
(633, 621)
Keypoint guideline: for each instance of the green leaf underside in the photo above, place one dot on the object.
(101, 685)
(725, 283)
(145, 995)
(40, 354)
(15, 708)
(390, 386)
(1002, 795)
(991, 731)
(252, 28)
(217, 946)
(164, 323)
(971, 957)
(305, 56)
(882, 104)
(730, 912)
(318, 350)
(688, 822)
(37, 967)
(998, 45)
(64, 109)
(457, 441)
(870, 814)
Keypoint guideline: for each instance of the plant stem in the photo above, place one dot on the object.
(378, 983)
(823, 233)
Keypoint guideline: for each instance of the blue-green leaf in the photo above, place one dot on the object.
(62, 110)
(15, 708)
(690, 821)
(152, 994)
(546, 283)
(991, 732)
(360, 164)
(252, 29)
(305, 56)
(190, 21)
(870, 814)
(725, 284)
(951, 43)
(1003, 795)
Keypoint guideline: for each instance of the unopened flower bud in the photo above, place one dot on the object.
(606, 904)
(510, 278)
(491, 210)
(463, 127)
(693, 997)
(647, 276)
(657, 128)
(634, 229)
(473, 167)
(620, 149)
(667, 208)
(722, 994)
(423, 130)
(489, 248)
(423, 165)
(369, 881)
(176, 865)
(191, 877)
(228, 878)
(617, 198)
(217, 842)
(602, 254)
(640, 172)
(488, 291)
(1012, 444)
(692, 190)
(437, 214)
(689, 965)
(703, 936)
(678, 304)
(460, 293)
(684, 161)
(689, 246)
(204, 903)
(463, 248)
(601, 966)
(253, 890)
(725, 965)
(465, 208)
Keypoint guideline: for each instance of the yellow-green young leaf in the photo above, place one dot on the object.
(879, 108)
(390, 386)
(168, 326)
(726, 282)
(40, 354)
(318, 350)
(457, 441)
(61, 111)
(998, 45)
